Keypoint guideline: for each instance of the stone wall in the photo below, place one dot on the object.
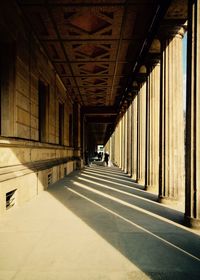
(27, 164)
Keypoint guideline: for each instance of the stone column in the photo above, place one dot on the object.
(141, 143)
(129, 140)
(192, 209)
(134, 138)
(112, 148)
(171, 173)
(117, 145)
(125, 142)
(120, 147)
(153, 98)
(122, 142)
(108, 145)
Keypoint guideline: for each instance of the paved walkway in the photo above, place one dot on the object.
(97, 224)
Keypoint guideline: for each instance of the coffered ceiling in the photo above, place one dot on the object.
(93, 44)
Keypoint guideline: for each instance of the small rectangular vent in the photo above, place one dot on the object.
(10, 199)
(49, 179)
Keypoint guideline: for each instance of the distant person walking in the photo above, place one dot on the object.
(106, 158)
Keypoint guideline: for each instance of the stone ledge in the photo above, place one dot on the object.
(11, 172)
(19, 142)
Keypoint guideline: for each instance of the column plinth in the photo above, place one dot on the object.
(192, 222)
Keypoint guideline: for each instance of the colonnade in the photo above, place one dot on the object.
(149, 139)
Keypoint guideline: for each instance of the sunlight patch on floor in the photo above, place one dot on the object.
(63, 245)
(130, 222)
(126, 203)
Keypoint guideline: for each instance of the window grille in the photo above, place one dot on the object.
(10, 199)
(49, 179)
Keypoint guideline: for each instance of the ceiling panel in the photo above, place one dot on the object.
(93, 45)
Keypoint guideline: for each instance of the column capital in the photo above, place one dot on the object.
(140, 78)
(153, 56)
(152, 59)
(168, 30)
(133, 90)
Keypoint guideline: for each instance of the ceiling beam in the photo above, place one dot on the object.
(101, 120)
(93, 110)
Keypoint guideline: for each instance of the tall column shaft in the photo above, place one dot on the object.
(129, 140)
(192, 209)
(152, 164)
(117, 146)
(172, 126)
(110, 148)
(122, 143)
(113, 148)
(141, 143)
(125, 142)
(134, 138)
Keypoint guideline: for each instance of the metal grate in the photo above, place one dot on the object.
(49, 179)
(10, 199)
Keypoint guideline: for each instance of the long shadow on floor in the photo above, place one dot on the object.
(160, 248)
(118, 177)
(128, 191)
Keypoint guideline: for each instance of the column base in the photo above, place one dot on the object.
(192, 222)
(152, 189)
(140, 182)
(133, 176)
(173, 203)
